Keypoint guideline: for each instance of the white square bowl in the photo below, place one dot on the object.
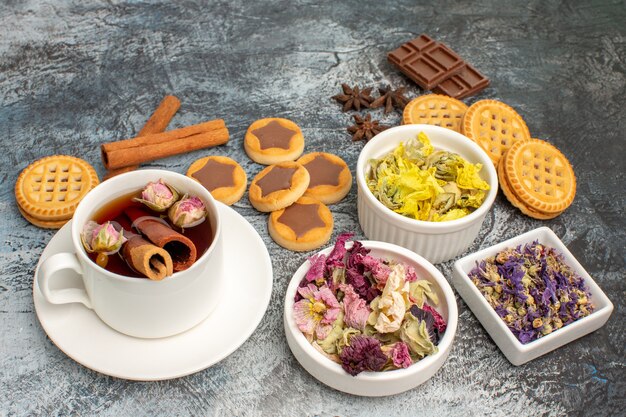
(516, 352)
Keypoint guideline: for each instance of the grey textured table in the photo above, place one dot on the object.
(74, 76)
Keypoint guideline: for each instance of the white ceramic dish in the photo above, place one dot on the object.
(516, 352)
(81, 335)
(374, 384)
(435, 241)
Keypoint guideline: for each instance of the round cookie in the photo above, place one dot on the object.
(305, 225)
(435, 109)
(278, 186)
(510, 195)
(222, 176)
(49, 190)
(331, 179)
(55, 224)
(540, 176)
(494, 126)
(273, 140)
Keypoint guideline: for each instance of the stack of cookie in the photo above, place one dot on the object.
(537, 179)
(294, 192)
(49, 190)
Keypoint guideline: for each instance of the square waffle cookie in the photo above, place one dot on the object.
(49, 190)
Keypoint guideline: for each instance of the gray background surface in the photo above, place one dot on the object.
(74, 75)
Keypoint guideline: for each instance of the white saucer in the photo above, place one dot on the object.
(82, 336)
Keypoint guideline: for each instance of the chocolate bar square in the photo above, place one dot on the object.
(426, 61)
(467, 82)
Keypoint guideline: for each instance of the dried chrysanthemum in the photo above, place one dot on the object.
(426, 184)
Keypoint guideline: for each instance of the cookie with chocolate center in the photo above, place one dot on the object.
(222, 176)
(278, 186)
(305, 225)
(331, 179)
(273, 140)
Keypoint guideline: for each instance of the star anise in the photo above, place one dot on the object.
(365, 128)
(390, 99)
(354, 98)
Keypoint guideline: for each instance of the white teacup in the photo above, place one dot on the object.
(136, 306)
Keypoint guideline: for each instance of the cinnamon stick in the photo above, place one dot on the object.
(113, 172)
(160, 145)
(181, 249)
(161, 116)
(148, 259)
(157, 123)
(118, 158)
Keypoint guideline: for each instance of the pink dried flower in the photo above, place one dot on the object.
(379, 270)
(103, 238)
(411, 275)
(400, 356)
(158, 196)
(316, 270)
(316, 311)
(187, 212)
(354, 307)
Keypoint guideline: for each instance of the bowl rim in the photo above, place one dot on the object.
(154, 174)
(334, 368)
(423, 225)
(465, 264)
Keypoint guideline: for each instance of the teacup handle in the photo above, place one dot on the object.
(47, 272)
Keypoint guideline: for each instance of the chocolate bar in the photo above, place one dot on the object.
(467, 82)
(434, 66)
(426, 61)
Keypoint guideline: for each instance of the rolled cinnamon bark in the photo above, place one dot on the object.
(121, 157)
(161, 116)
(146, 258)
(181, 249)
(157, 123)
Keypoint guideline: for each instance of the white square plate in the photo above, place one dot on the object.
(516, 352)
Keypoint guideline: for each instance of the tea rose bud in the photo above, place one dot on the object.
(158, 196)
(102, 238)
(187, 212)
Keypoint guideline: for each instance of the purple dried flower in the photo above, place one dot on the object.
(335, 258)
(440, 323)
(355, 272)
(532, 290)
(435, 323)
(364, 353)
